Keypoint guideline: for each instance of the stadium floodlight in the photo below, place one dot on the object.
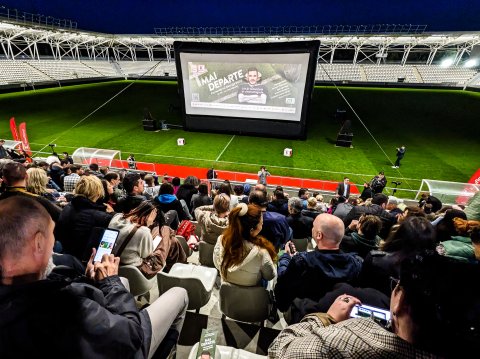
(447, 62)
(471, 63)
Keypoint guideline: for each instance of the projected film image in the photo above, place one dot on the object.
(264, 89)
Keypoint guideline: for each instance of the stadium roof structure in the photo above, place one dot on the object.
(20, 41)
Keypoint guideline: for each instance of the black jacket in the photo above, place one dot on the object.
(388, 220)
(186, 192)
(129, 202)
(301, 225)
(76, 224)
(279, 206)
(377, 269)
(312, 274)
(64, 318)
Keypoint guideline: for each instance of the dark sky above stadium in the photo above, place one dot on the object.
(142, 16)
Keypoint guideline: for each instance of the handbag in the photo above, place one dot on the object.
(186, 229)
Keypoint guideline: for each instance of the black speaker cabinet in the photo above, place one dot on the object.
(149, 125)
(344, 140)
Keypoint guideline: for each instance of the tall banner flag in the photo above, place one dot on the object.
(13, 128)
(24, 138)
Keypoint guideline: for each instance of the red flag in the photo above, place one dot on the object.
(23, 136)
(13, 128)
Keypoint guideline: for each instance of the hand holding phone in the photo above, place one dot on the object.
(107, 242)
(381, 316)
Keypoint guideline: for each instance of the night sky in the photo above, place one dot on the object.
(142, 16)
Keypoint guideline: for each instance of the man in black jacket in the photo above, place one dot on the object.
(134, 186)
(377, 208)
(57, 315)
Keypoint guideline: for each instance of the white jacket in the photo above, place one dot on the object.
(256, 265)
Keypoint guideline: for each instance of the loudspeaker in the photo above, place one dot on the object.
(149, 125)
(344, 140)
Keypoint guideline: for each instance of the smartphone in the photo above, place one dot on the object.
(107, 242)
(292, 248)
(381, 316)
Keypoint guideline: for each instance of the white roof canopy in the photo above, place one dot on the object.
(10, 144)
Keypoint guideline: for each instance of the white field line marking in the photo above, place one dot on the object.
(250, 164)
(228, 144)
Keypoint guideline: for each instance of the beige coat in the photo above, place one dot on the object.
(256, 265)
(210, 224)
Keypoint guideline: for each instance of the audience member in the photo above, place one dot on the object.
(379, 203)
(95, 170)
(414, 234)
(213, 220)
(78, 219)
(343, 208)
(362, 236)
(460, 245)
(275, 226)
(279, 203)
(135, 245)
(242, 256)
(367, 192)
(176, 184)
(312, 210)
(392, 206)
(201, 198)
(14, 177)
(187, 190)
(150, 188)
(91, 316)
(109, 197)
(134, 186)
(36, 183)
(114, 179)
(167, 201)
(71, 180)
(312, 274)
(301, 225)
(435, 314)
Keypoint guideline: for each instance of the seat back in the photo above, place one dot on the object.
(246, 304)
(205, 254)
(198, 229)
(184, 245)
(225, 352)
(198, 296)
(301, 244)
(139, 285)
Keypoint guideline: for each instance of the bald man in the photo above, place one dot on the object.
(312, 274)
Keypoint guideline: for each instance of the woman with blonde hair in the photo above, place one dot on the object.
(242, 256)
(79, 217)
(37, 181)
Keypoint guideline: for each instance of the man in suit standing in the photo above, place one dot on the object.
(343, 189)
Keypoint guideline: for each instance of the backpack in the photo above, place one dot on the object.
(186, 229)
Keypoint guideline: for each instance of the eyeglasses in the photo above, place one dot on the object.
(393, 283)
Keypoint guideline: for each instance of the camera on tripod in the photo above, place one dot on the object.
(396, 183)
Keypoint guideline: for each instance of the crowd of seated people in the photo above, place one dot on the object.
(358, 247)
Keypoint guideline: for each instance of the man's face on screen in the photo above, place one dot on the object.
(252, 77)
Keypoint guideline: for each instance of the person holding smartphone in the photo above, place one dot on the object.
(58, 315)
(435, 313)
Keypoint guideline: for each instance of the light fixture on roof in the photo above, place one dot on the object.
(446, 62)
(471, 63)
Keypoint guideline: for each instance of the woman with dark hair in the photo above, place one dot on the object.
(413, 235)
(108, 198)
(435, 313)
(138, 229)
(242, 256)
(201, 198)
(175, 184)
(187, 190)
(167, 201)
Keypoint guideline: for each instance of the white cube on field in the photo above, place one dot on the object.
(180, 141)
(287, 152)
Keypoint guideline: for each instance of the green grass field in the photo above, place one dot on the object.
(439, 127)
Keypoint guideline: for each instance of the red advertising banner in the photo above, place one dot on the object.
(24, 138)
(475, 178)
(13, 128)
